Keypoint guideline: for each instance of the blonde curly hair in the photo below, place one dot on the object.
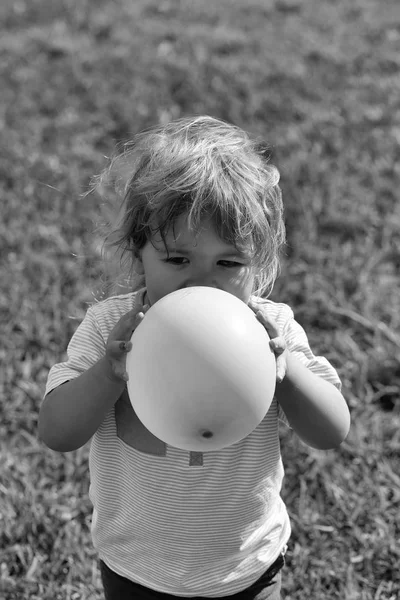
(200, 166)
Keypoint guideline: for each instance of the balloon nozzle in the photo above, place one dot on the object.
(207, 434)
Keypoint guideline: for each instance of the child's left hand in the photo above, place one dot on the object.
(277, 342)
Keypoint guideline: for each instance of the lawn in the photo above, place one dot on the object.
(320, 81)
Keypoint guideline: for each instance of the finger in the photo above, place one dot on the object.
(143, 307)
(119, 348)
(253, 305)
(119, 371)
(278, 345)
(280, 368)
(125, 346)
(117, 367)
(132, 320)
(269, 324)
(126, 330)
(132, 314)
(138, 319)
(121, 374)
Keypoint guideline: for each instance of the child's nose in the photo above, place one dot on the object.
(202, 274)
(207, 280)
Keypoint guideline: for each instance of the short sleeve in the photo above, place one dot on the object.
(298, 344)
(85, 348)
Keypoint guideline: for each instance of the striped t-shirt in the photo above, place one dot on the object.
(183, 523)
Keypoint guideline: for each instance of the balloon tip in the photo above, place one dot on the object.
(207, 434)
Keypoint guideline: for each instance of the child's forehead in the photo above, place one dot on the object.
(189, 239)
(180, 234)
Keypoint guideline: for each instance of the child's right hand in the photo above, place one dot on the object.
(118, 343)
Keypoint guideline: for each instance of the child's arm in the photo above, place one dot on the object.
(72, 412)
(315, 408)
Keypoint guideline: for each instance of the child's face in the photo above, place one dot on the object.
(203, 260)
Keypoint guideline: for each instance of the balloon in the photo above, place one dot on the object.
(201, 372)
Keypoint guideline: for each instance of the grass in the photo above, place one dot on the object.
(319, 80)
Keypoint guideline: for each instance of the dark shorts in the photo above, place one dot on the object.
(118, 588)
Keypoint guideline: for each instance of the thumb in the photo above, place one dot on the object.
(118, 348)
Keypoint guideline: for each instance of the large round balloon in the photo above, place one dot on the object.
(201, 372)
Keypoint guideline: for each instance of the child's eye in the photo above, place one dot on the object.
(231, 263)
(176, 260)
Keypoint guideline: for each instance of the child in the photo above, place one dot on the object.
(201, 207)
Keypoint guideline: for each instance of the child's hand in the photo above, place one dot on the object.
(277, 342)
(118, 343)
